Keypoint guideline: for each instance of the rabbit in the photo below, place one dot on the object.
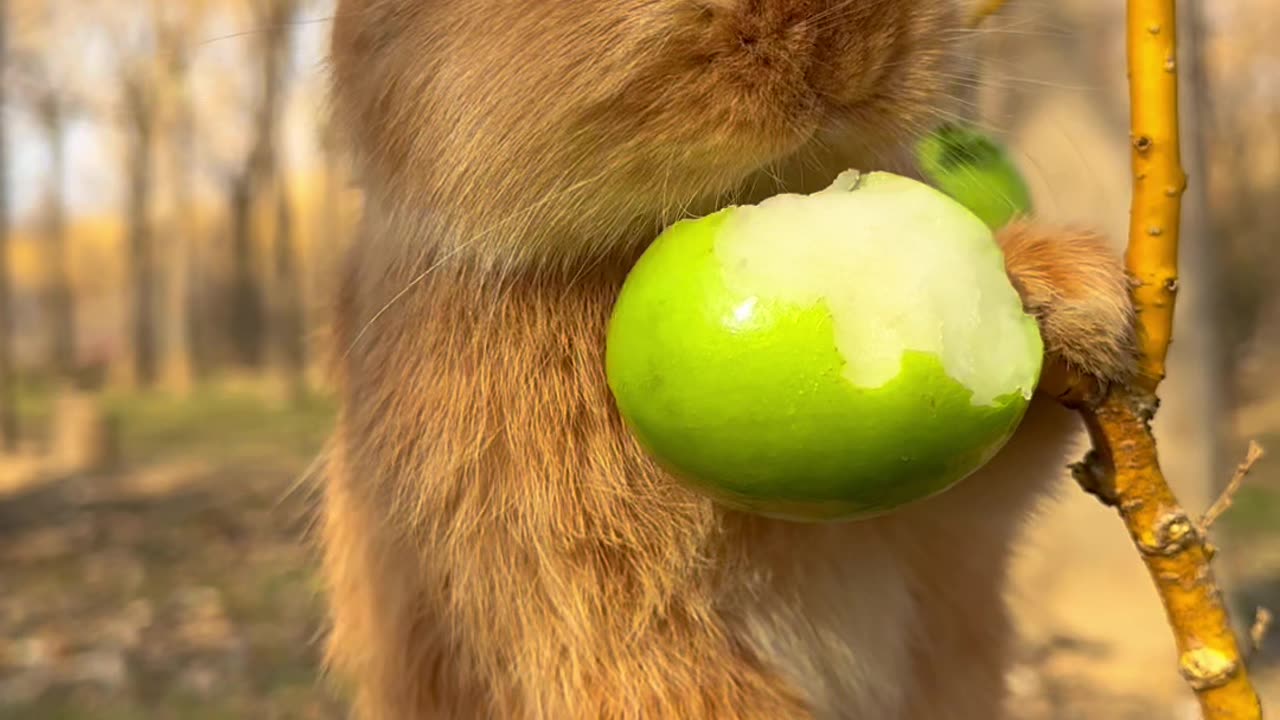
(494, 543)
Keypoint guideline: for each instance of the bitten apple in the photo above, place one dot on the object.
(824, 357)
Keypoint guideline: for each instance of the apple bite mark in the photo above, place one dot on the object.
(901, 269)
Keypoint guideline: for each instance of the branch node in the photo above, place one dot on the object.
(1205, 668)
(1145, 406)
(1093, 476)
(1172, 534)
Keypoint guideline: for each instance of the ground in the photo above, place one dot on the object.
(175, 587)
(179, 585)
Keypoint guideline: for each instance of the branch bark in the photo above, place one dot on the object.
(1123, 469)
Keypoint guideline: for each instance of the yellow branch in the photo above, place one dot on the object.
(1124, 469)
(985, 10)
(1158, 179)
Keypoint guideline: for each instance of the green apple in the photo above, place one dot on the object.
(827, 356)
(976, 171)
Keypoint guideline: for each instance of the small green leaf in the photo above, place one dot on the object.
(976, 171)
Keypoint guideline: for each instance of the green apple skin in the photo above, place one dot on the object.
(752, 409)
(976, 171)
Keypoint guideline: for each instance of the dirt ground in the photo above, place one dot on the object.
(178, 586)
(175, 587)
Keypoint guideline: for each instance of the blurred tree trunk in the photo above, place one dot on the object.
(8, 389)
(269, 185)
(1220, 362)
(329, 234)
(140, 128)
(1215, 223)
(84, 439)
(246, 322)
(59, 299)
(331, 230)
(286, 289)
(1208, 361)
(177, 366)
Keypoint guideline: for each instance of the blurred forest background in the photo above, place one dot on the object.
(172, 203)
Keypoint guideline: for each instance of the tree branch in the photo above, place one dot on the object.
(1258, 631)
(1124, 468)
(1228, 496)
(1175, 553)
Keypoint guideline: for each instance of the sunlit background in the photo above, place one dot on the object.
(174, 205)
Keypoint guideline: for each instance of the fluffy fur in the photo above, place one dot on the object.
(495, 544)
